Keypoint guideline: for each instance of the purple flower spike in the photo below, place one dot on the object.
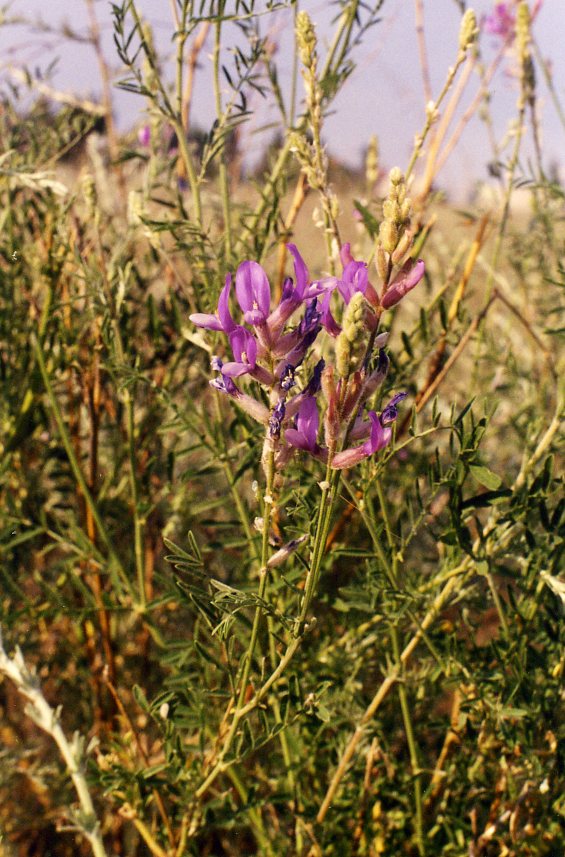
(407, 278)
(305, 435)
(378, 439)
(253, 292)
(222, 319)
(244, 347)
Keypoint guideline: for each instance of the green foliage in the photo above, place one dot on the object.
(394, 685)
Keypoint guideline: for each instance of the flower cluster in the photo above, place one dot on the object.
(279, 353)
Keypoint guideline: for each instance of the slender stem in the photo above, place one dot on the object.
(116, 568)
(223, 172)
(138, 523)
(175, 118)
(549, 82)
(508, 196)
(431, 113)
(322, 527)
(383, 691)
(402, 693)
(329, 493)
(422, 52)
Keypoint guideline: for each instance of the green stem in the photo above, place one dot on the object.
(223, 173)
(174, 117)
(412, 746)
(431, 114)
(402, 693)
(117, 570)
(138, 524)
(549, 82)
(329, 493)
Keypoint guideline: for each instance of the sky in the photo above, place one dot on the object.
(384, 96)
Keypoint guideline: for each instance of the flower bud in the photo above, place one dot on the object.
(372, 161)
(468, 31)
(382, 260)
(402, 248)
(306, 38)
(388, 234)
(523, 30)
(395, 176)
(350, 345)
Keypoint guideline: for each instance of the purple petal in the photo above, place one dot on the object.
(379, 438)
(408, 277)
(224, 314)
(236, 370)
(252, 289)
(354, 280)
(390, 411)
(300, 270)
(326, 317)
(225, 385)
(345, 254)
(276, 419)
(206, 320)
(307, 424)
(244, 346)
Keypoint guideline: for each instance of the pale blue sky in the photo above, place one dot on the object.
(384, 96)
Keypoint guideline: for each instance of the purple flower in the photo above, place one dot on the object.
(253, 292)
(407, 278)
(244, 347)
(326, 317)
(501, 21)
(379, 438)
(144, 135)
(390, 411)
(251, 406)
(276, 419)
(305, 435)
(222, 319)
(294, 294)
(287, 379)
(354, 279)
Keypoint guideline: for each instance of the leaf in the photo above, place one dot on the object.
(488, 498)
(370, 222)
(486, 477)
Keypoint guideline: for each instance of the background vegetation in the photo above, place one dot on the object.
(418, 707)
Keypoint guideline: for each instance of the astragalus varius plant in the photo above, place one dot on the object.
(281, 509)
(289, 384)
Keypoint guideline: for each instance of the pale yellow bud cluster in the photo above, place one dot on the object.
(523, 29)
(351, 342)
(523, 38)
(395, 238)
(306, 39)
(468, 31)
(372, 162)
